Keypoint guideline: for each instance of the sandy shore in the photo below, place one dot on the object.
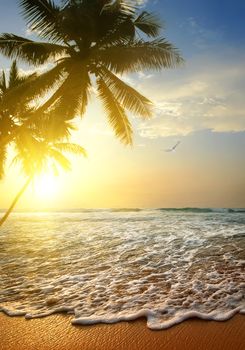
(56, 332)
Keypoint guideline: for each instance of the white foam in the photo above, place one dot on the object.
(110, 267)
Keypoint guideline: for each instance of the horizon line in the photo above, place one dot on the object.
(116, 208)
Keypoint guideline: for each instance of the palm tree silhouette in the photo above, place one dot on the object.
(14, 115)
(89, 42)
(10, 116)
(37, 148)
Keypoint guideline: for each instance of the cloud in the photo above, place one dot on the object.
(141, 2)
(144, 76)
(39, 70)
(207, 94)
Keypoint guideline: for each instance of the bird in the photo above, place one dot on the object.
(172, 149)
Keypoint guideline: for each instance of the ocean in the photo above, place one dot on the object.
(166, 265)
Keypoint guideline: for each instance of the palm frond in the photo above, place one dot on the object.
(24, 161)
(16, 47)
(51, 129)
(71, 98)
(42, 17)
(116, 22)
(60, 159)
(36, 156)
(139, 55)
(3, 158)
(121, 8)
(6, 124)
(14, 76)
(30, 153)
(34, 86)
(148, 24)
(121, 31)
(115, 113)
(71, 148)
(3, 84)
(128, 97)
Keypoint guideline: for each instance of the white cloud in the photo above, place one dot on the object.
(141, 2)
(207, 94)
(38, 70)
(143, 75)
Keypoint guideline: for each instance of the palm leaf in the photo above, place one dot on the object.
(115, 113)
(36, 156)
(121, 31)
(126, 95)
(58, 129)
(11, 97)
(42, 17)
(31, 154)
(3, 84)
(71, 148)
(13, 75)
(6, 124)
(30, 51)
(122, 8)
(116, 21)
(34, 86)
(71, 98)
(60, 159)
(148, 24)
(139, 55)
(3, 158)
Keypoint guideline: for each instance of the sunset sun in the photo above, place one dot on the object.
(46, 186)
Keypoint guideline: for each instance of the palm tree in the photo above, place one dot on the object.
(37, 147)
(13, 117)
(89, 42)
(37, 156)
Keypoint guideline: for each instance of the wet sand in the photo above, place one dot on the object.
(56, 332)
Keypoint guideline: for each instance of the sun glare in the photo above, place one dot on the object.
(46, 186)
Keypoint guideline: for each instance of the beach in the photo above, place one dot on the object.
(144, 271)
(56, 332)
(97, 266)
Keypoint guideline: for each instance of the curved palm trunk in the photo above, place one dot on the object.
(4, 218)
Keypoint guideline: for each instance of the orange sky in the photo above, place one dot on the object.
(205, 171)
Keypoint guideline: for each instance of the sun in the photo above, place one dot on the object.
(46, 185)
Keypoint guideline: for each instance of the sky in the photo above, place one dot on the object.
(200, 104)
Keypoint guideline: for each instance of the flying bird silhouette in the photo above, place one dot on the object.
(172, 149)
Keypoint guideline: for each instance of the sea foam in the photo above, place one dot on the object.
(110, 266)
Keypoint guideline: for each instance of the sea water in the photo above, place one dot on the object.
(166, 265)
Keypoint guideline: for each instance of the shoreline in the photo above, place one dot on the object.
(56, 332)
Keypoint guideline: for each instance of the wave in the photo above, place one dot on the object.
(122, 210)
(126, 210)
(205, 210)
(152, 316)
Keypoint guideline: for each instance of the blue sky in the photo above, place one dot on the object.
(202, 25)
(202, 104)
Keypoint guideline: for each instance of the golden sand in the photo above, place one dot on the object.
(56, 332)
